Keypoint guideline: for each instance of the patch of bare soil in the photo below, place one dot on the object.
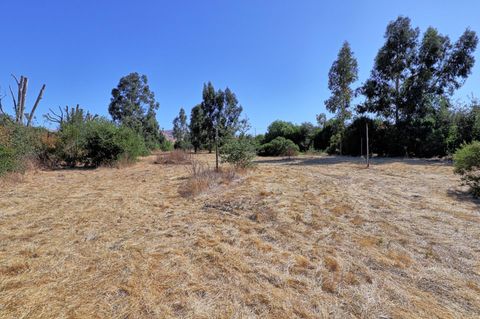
(315, 237)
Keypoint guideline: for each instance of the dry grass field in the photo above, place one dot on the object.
(315, 237)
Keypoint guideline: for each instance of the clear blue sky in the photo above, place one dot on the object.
(275, 55)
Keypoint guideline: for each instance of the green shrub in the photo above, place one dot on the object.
(467, 164)
(166, 146)
(70, 146)
(105, 143)
(101, 146)
(279, 146)
(131, 143)
(19, 145)
(182, 145)
(238, 152)
(8, 160)
(98, 142)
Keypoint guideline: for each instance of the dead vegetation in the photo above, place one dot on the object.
(296, 239)
(176, 157)
(202, 177)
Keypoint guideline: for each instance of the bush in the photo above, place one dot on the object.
(467, 164)
(131, 143)
(8, 160)
(279, 146)
(70, 146)
(238, 152)
(106, 143)
(321, 140)
(166, 146)
(98, 142)
(19, 146)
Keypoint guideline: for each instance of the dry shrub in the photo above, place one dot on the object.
(331, 264)
(174, 157)
(400, 259)
(351, 279)
(329, 285)
(203, 177)
(123, 162)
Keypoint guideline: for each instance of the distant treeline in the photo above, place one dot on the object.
(406, 102)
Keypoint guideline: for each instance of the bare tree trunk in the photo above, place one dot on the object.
(39, 97)
(361, 147)
(368, 151)
(19, 103)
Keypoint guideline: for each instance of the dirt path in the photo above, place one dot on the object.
(309, 238)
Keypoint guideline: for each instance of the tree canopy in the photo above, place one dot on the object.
(133, 105)
(409, 74)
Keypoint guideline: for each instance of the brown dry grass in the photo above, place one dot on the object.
(203, 178)
(310, 238)
(174, 157)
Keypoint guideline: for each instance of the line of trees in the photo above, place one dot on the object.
(407, 99)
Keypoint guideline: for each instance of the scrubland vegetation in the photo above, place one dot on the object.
(105, 217)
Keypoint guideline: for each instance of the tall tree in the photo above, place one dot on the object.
(221, 114)
(196, 126)
(133, 104)
(409, 74)
(180, 128)
(343, 73)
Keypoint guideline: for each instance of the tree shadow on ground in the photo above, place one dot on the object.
(463, 195)
(72, 169)
(333, 160)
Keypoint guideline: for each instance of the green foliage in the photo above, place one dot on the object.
(221, 115)
(239, 152)
(8, 160)
(467, 163)
(279, 128)
(198, 135)
(343, 73)
(70, 146)
(302, 135)
(101, 145)
(98, 142)
(322, 137)
(19, 145)
(166, 146)
(180, 131)
(409, 73)
(182, 145)
(279, 146)
(133, 105)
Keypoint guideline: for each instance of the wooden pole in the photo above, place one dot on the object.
(368, 151)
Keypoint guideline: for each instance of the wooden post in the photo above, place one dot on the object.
(368, 151)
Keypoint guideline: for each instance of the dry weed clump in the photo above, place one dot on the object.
(203, 177)
(175, 157)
